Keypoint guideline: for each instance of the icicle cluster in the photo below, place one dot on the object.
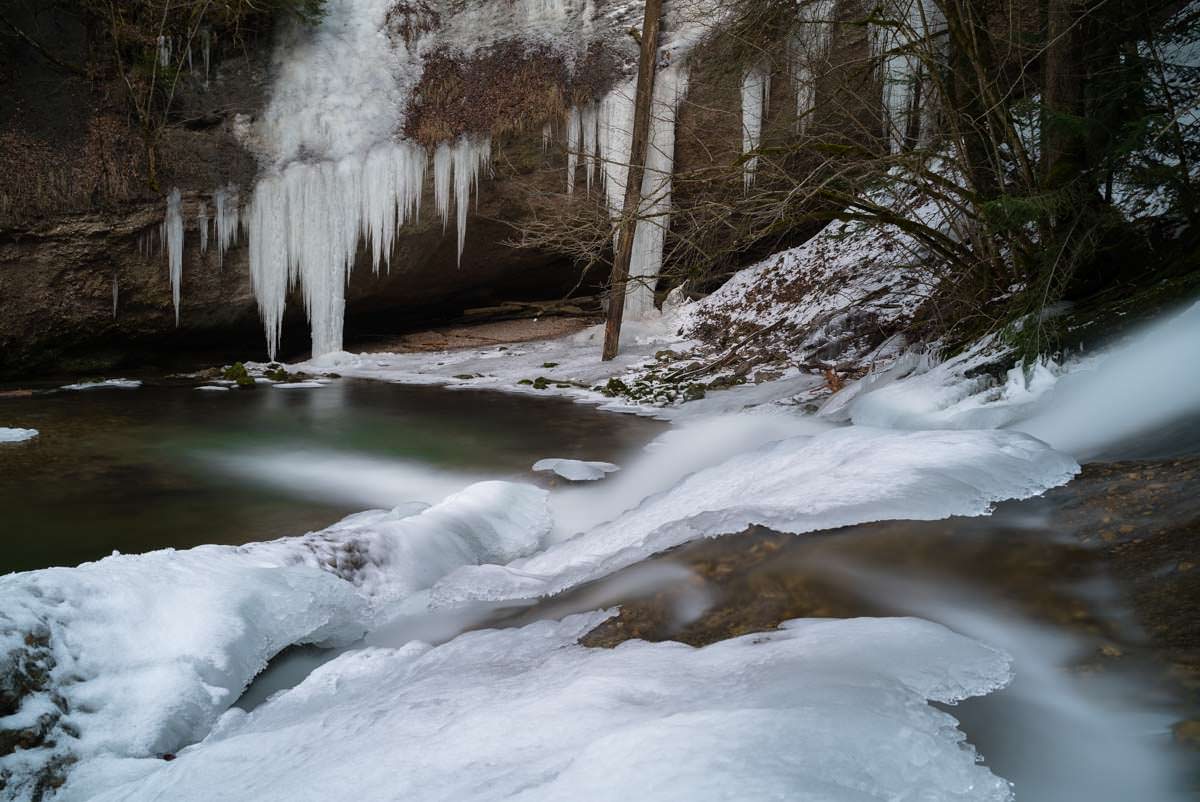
(756, 88)
(225, 203)
(458, 166)
(810, 47)
(172, 235)
(305, 224)
(600, 135)
(902, 74)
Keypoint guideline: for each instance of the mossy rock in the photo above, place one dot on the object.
(237, 373)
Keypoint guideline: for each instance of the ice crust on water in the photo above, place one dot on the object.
(576, 470)
(801, 484)
(148, 650)
(818, 710)
(11, 435)
(104, 384)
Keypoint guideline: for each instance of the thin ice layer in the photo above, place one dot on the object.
(10, 435)
(801, 484)
(819, 710)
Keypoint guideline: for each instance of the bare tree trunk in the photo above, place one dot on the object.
(1063, 147)
(633, 180)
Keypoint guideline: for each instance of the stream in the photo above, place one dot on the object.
(1088, 716)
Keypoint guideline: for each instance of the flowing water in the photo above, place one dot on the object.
(1060, 582)
(167, 465)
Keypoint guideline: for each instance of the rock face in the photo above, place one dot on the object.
(79, 218)
(57, 282)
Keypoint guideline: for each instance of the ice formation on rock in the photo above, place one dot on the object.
(336, 108)
(172, 235)
(163, 44)
(574, 143)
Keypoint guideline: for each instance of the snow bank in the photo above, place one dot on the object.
(570, 365)
(576, 470)
(141, 654)
(802, 484)
(137, 656)
(819, 710)
(16, 435)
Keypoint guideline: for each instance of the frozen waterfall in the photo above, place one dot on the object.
(602, 134)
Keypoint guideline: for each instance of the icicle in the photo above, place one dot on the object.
(547, 135)
(306, 221)
(173, 234)
(202, 227)
(574, 144)
(443, 164)
(225, 201)
(470, 159)
(755, 87)
(114, 294)
(191, 69)
(589, 119)
(164, 51)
